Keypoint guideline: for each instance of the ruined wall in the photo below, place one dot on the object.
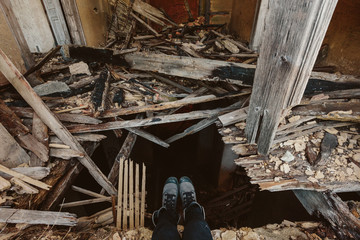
(93, 15)
(342, 37)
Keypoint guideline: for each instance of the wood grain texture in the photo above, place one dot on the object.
(73, 21)
(288, 53)
(26, 91)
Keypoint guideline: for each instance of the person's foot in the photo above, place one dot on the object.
(187, 192)
(170, 194)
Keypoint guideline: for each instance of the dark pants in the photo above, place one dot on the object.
(195, 227)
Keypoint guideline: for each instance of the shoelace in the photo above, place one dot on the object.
(188, 198)
(170, 201)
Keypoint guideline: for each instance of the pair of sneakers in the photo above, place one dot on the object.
(172, 189)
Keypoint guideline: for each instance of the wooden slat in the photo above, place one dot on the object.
(120, 195)
(73, 21)
(143, 196)
(126, 195)
(131, 194)
(25, 90)
(40, 132)
(137, 196)
(283, 71)
(8, 215)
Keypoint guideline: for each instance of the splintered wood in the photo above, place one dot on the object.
(131, 205)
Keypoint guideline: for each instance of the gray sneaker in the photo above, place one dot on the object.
(170, 194)
(187, 192)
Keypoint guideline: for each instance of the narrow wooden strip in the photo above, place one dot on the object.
(85, 202)
(41, 63)
(24, 178)
(66, 154)
(40, 132)
(87, 192)
(120, 194)
(143, 195)
(137, 196)
(25, 90)
(172, 83)
(131, 195)
(4, 184)
(145, 25)
(126, 195)
(8, 215)
(148, 136)
(294, 124)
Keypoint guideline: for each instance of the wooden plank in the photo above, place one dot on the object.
(179, 117)
(131, 194)
(326, 108)
(4, 184)
(56, 18)
(280, 81)
(24, 178)
(167, 105)
(126, 195)
(146, 25)
(37, 173)
(120, 195)
(234, 116)
(40, 132)
(83, 137)
(44, 60)
(258, 24)
(66, 154)
(17, 32)
(85, 202)
(172, 83)
(137, 195)
(22, 187)
(333, 209)
(143, 196)
(193, 129)
(87, 192)
(11, 154)
(8, 215)
(73, 21)
(25, 90)
(148, 136)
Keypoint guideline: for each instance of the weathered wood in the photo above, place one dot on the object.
(4, 184)
(85, 202)
(87, 192)
(167, 105)
(179, 117)
(37, 173)
(18, 34)
(131, 194)
(120, 194)
(168, 81)
(40, 132)
(25, 90)
(234, 116)
(73, 21)
(148, 136)
(151, 13)
(333, 209)
(143, 196)
(325, 108)
(11, 154)
(29, 142)
(44, 60)
(24, 178)
(146, 25)
(280, 81)
(258, 25)
(137, 196)
(8, 215)
(126, 196)
(66, 154)
(24, 187)
(84, 137)
(193, 129)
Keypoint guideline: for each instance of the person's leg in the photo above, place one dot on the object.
(195, 227)
(165, 219)
(165, 226)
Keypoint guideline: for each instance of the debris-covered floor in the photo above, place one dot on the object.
(147, 76)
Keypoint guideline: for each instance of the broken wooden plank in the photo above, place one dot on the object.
(167, 105)
(325, 108)
(280, 81)
(148, 136)
(9, 215)
(40, 132)
(87, 192)
(234, 116)
(37, 173)
(333, 209)
(22, 86)
(66, 154)
(73, 21)
(193, 129)
(172, 83)
(22, 187)
(11, 154)
(83, 137)
(4, 184)
(146, 25)
(85, 202)
(143, 196)
(41, 63)
(24, 178)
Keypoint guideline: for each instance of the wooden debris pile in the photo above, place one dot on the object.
(159, 72)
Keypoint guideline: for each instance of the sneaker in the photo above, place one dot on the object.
(187, 192)
(169, 199)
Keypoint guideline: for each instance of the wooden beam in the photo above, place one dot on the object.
(8, 215)
(333, 209)
(73, 21)
(26, 91)
(18, 34)
(258, 25)
(282, 72)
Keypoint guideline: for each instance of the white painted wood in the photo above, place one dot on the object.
(57, 21)
(34, 24)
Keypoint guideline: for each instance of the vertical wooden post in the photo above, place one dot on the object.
(120, 195)
(143, 195)
(131, 196)
(18, 34)
(126, 196)
(73, 20)
(258, 25)
(290, 43)
(137, 196)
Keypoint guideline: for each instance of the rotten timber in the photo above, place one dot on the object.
(22, 86)
(280, 81)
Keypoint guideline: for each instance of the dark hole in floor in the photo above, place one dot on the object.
(199, 157)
